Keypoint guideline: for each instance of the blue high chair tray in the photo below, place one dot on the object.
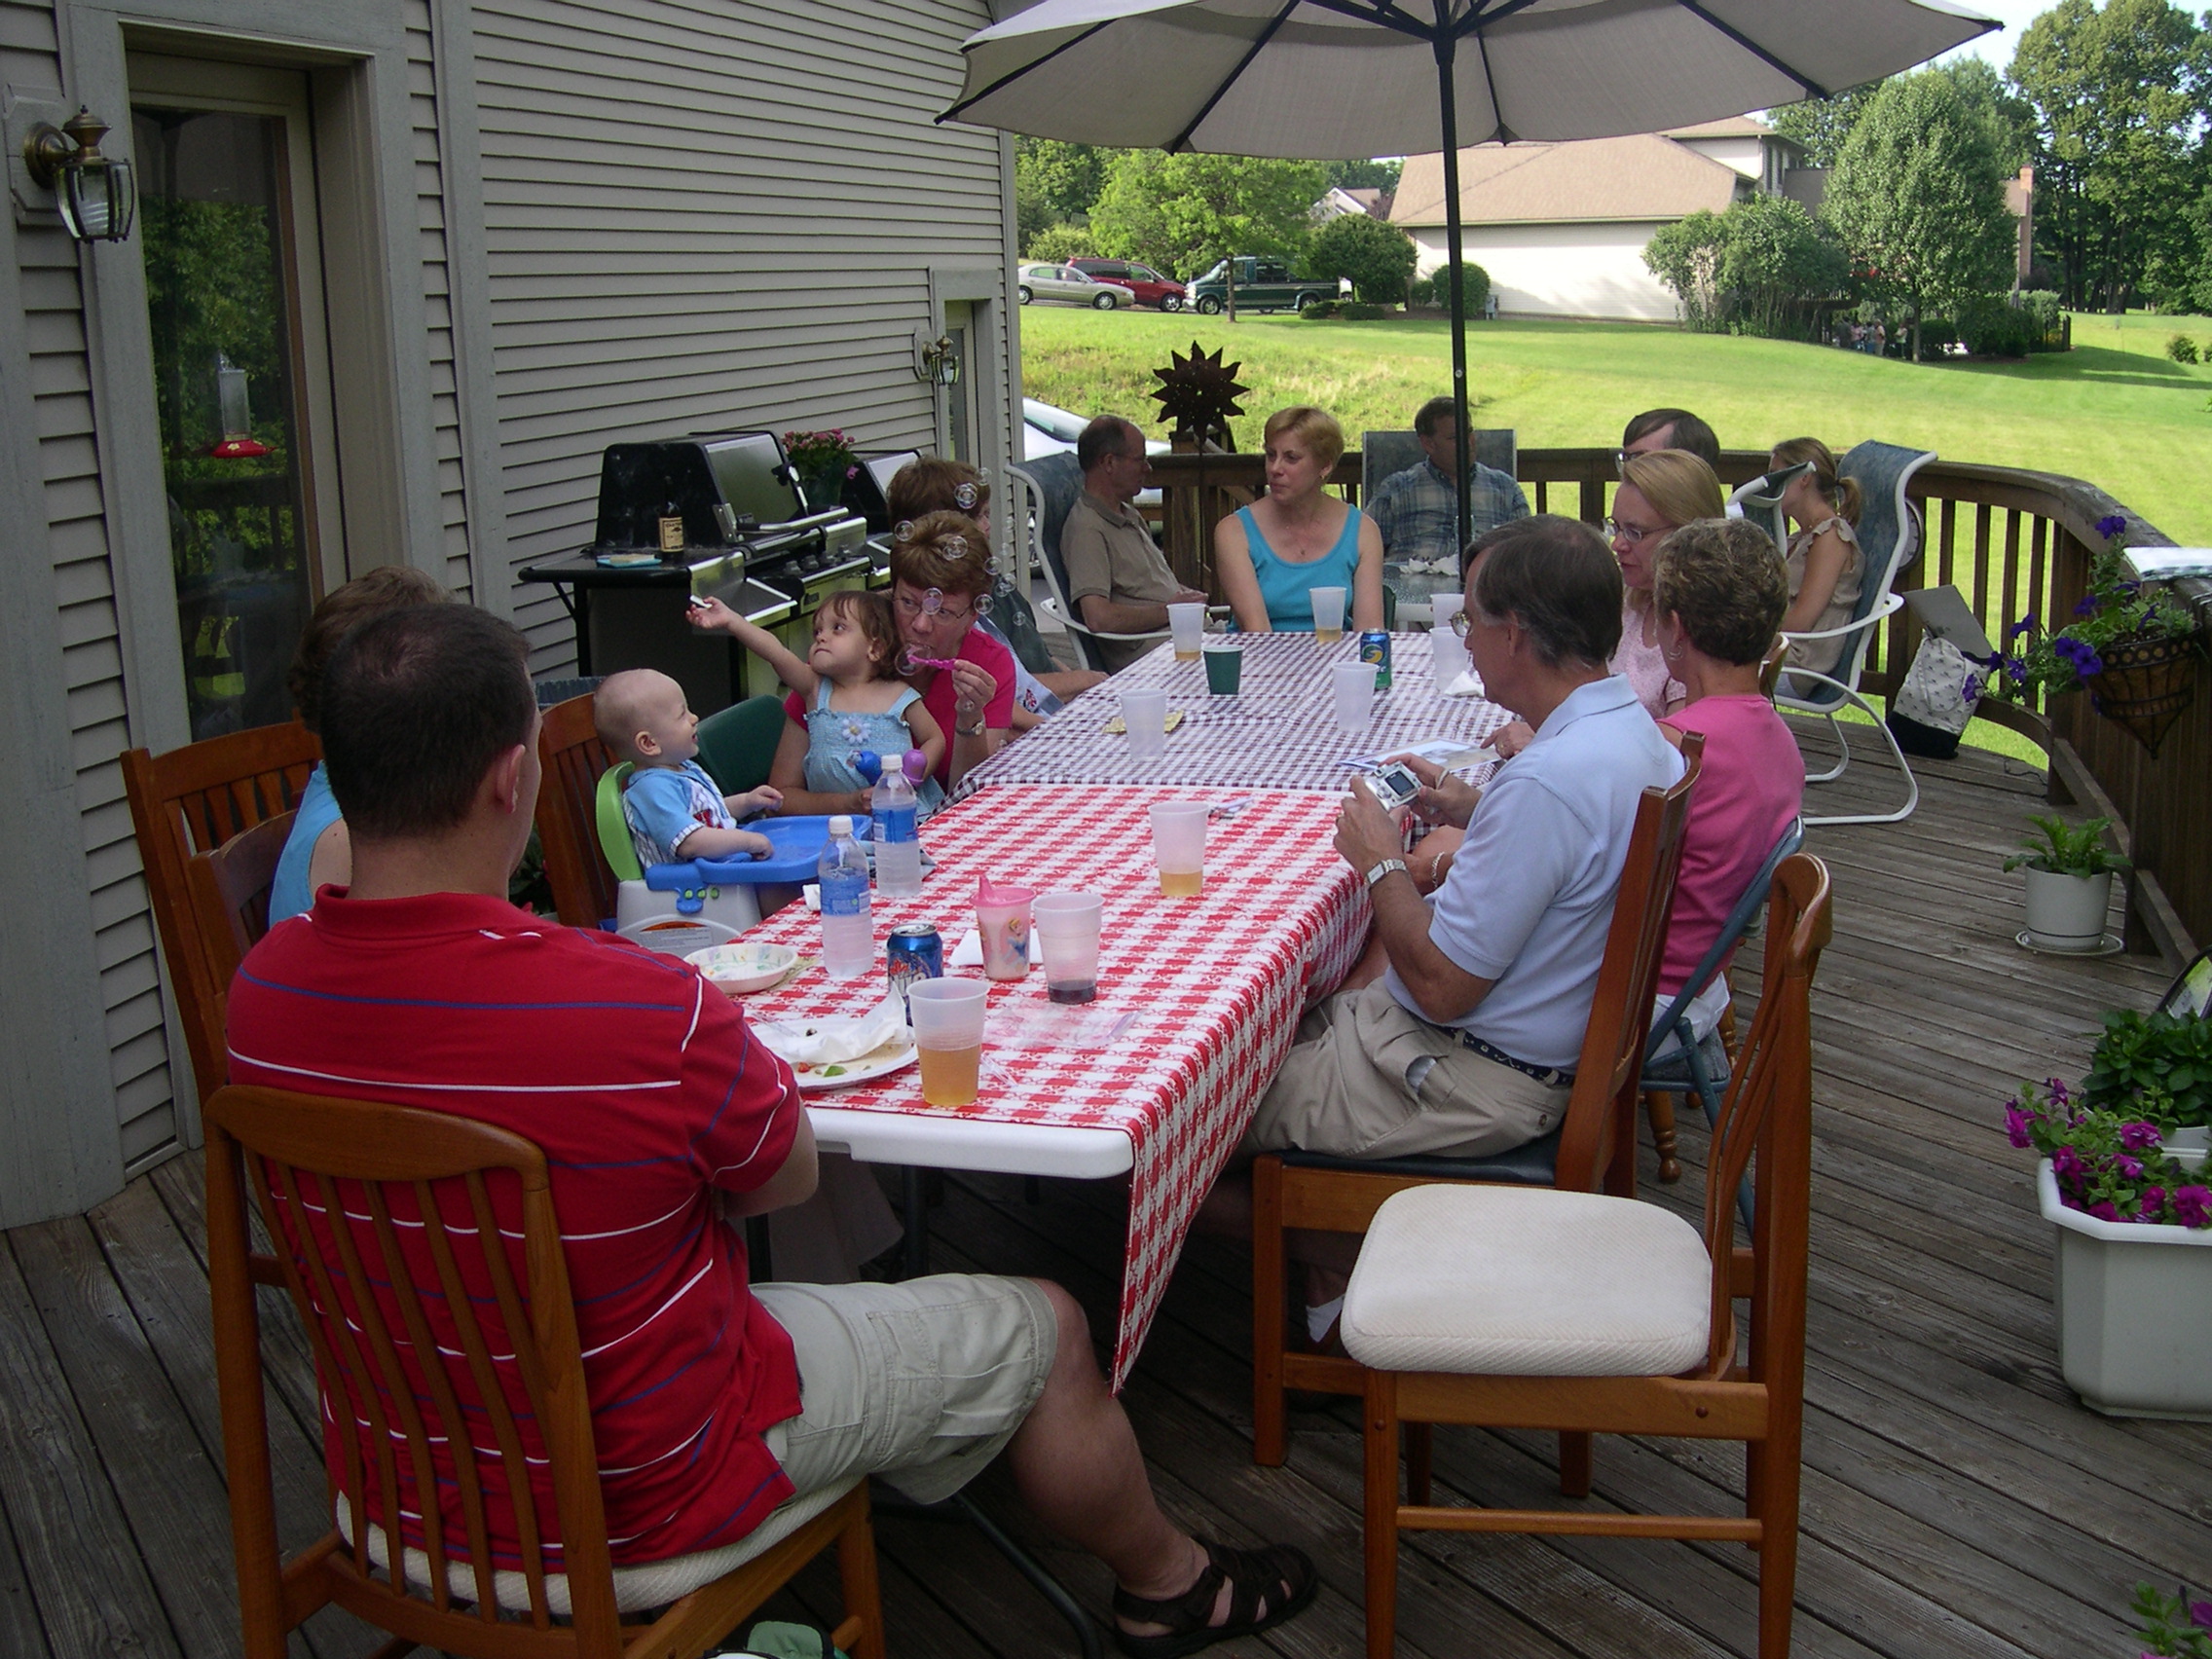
(798, 844)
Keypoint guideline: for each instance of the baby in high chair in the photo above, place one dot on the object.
(855, 698)
(674, 809)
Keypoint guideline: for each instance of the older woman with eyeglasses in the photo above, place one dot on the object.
(940, 582)
(1660, 491)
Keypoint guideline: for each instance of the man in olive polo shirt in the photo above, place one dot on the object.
(1118, 578)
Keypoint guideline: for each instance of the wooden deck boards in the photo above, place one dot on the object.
(1958, 1500)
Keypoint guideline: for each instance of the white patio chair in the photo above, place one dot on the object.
(1888, 541)
(1050, 485)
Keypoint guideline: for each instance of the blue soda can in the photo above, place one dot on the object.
(1375, 647)
(915, 952)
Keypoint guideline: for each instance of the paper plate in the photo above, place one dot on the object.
(738, 969)
(894, 1055)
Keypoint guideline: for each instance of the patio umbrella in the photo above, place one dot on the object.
(1327, 79)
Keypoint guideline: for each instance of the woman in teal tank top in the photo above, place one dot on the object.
(1271, 554)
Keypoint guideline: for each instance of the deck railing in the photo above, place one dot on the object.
(2015, 543)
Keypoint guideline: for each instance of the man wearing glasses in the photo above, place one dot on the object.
(1669, 429)
(1418, 511)
(1118, 578)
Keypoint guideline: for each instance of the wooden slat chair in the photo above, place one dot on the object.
(1594, 1146)
(572, 756)
(186, 804)
(229, 902)
(416, 1364)
(1583, 1312)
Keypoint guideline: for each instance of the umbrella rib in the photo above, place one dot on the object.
(1006, 80)
(1475, 22)
(1753, 47)
(1259, 44)
(1385, 14)
(1498, 128)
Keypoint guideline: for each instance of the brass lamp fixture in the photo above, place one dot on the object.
(97, 194)
(936, 361)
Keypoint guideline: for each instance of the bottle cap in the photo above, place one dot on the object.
(916, 765)
(841, 825)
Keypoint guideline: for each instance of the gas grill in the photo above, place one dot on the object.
(715, 514)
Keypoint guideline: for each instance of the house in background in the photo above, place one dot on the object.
(1357, 199)
(1562, 228)
(401, 271)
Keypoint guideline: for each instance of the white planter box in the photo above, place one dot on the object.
(2133, 1339)
(2067, 913)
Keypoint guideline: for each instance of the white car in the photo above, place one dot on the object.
(1066, 283)
(1050, 431)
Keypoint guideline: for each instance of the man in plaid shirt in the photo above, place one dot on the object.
(1418, 511)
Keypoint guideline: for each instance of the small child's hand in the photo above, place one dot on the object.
(753, 843)
(707, 612)
(753, 802)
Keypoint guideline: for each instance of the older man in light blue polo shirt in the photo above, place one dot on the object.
(1466, 1044)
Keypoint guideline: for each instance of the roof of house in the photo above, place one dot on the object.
(1728, 127)
(1642, 177)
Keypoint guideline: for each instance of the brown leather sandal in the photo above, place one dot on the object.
(1267, 1586)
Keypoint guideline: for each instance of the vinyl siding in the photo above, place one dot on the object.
(706, 215)
(437, 293)
(85, 621)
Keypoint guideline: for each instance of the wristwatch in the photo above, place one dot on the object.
(1382, 870)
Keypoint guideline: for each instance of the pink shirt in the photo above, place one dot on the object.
(1643, 667)
(1750, 785)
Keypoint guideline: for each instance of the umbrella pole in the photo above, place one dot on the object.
(1446, 46)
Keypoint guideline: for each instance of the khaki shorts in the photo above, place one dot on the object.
(922, 1382)
(1356, 1084)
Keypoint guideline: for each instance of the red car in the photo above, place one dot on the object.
(1150, 286)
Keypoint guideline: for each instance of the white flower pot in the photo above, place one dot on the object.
(2196, 1139)
(2132, 1337)
(2067, 913)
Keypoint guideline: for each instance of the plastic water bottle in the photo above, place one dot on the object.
(847, 930)
(898, 843)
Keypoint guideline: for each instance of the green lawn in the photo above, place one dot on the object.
(2113, 411)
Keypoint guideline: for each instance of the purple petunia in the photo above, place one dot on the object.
(2139, 1137)
(2154, 1200)
(2193, 1207)
(2016, 1122)
(2025, 625)
(2086, 606)
(2066, 1164)
(2131, 1167)
(2201, 1614)
(2106, 1210)
(2055, 1088)
(2110, 524)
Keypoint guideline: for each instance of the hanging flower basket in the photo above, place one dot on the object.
(2144, 685)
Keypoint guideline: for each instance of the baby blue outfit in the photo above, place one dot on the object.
(663, 805)
(1284, 585)
(317, 811)
(833, 736)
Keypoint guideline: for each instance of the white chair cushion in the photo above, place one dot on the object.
(656, 1584)
(1520, 1282)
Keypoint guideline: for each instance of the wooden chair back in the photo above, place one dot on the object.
(572, 756)
(455, 1346)
(230, 891)
(1597, 1144)
(187, 803)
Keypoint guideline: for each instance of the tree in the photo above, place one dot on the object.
(1180, 213)
(1361, 175)
(1685, 255)
(1378, 257)
(2118, 98)
(1918, 201)
(1055, 184)
(1821, 125)
(2011, 120)
(1756, 267)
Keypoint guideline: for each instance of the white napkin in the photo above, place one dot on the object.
(969, 953)
(837, 1037)
(1466, 685)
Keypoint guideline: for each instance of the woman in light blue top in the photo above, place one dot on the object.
(316, 852)
(1270, 555)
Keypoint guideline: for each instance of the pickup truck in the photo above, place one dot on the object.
(1262, 284)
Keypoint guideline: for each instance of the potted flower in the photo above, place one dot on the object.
(2069, 882)
(2173, 1624)
(2134, 1220)
(823, 460)
(2130, 645)
(2157, 1067)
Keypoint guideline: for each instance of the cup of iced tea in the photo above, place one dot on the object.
(1179, 846)
(1187, 625)
(1068, 927)
(949, 1030)
(1328, 614)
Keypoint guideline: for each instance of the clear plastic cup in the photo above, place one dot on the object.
(1187, 623)
(1447, 653)
(1067, 926)
(1179, 846)
(949, 1030)
(1144, 710)
(1004, 926)
(1354, 685)
(1328, 614)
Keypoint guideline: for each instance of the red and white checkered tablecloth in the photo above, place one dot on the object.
(1278, 732)
(1214, 985)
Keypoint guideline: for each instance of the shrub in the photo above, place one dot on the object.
(1379, 257)
(1321, 310)
(1435, 289)
(1991, 326)
(1421, 291)
(1359, 311)
(2046, 319)
(2181, 348)
(1060, 243)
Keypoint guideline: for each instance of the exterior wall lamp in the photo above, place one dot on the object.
(97, 195)
(936, 361)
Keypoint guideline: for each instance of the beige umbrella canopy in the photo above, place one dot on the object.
(1328, 79)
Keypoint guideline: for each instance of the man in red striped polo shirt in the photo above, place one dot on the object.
(714, 1401)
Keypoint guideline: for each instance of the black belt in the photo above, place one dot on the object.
(1551, 1077)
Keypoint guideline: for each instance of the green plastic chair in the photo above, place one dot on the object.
(737, 746)
(615, 843)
